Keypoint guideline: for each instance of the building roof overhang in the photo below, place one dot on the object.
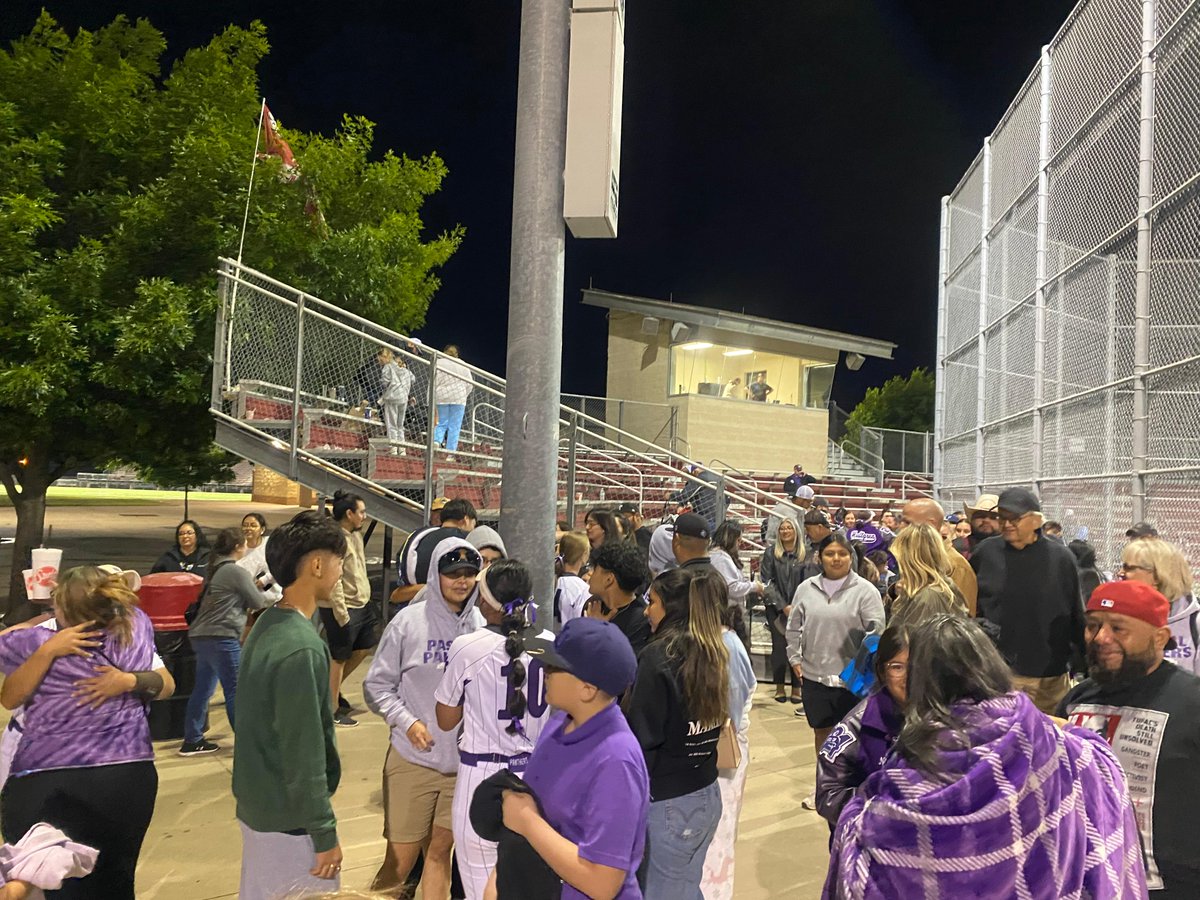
(772, 330)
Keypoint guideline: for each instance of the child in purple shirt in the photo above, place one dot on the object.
(587, 770)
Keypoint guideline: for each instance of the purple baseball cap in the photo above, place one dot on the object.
(593, 651)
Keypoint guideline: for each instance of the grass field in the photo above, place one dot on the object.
(69, 496)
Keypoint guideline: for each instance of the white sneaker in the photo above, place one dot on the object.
(810, 802)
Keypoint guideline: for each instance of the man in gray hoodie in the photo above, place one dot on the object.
(419, 771)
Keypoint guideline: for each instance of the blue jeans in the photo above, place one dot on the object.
(449, 424)
(216, 659)
(680, 831)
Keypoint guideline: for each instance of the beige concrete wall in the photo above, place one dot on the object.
(749, 435)
(637, 363)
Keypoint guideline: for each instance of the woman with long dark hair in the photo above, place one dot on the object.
(482, 668)
(832, 614)
(782, 571)
(190, 553)
(677, 707)
(85, 764)
(725, 557)
(601, 526)
(860, 743)
(228, 594)
(984, 795)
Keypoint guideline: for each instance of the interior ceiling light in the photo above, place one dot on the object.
(695, 345)
(737, 351)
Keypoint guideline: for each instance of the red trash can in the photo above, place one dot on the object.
(164, 596)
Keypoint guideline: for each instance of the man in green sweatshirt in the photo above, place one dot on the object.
(285, 761)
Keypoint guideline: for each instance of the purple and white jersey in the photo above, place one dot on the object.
(476, 678)
(58, 733)
(572, 592)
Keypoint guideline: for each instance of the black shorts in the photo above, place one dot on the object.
(825, 706)
(360, 633)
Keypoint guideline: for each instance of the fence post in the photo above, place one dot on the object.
(572, 451)
(939, 375)
(293, 467)
(673, 429)
(220, 371)
(1040, 272)
(430, 428)
(981, 375)
(1141, 347)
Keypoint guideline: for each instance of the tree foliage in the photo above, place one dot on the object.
(120, 185)
(902, 403)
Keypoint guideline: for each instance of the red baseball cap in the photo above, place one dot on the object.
(1133, 599)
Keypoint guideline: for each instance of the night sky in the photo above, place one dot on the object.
(783, 158)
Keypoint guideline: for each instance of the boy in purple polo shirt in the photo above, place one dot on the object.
(587, 770)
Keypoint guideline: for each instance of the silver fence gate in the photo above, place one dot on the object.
(1069, 295)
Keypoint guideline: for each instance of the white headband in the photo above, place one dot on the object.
(485, 593)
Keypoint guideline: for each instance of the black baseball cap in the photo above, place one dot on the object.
(692, 525)
(460, 559)
(1019, 500)
(627, 507)
(594, 651)
(1141, 530)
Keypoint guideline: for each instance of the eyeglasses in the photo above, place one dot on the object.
(1009, 518)
(1133, 567)
(896, 668)
(185, 534)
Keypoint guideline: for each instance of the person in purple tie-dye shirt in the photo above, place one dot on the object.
(85, 763)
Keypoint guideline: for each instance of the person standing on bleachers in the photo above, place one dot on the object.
(451, 392)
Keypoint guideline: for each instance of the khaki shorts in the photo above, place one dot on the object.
(415, 800)
(1046, 693)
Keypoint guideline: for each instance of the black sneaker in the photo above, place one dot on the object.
(344, 721)
(198, 748)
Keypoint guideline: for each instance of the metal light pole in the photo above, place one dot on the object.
(535, 307)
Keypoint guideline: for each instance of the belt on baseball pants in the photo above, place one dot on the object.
(520, 761)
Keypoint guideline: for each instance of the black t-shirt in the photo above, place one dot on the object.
(759, 390)
(1033, 595)
(1153, 727)
(633, 624)
(681, 755)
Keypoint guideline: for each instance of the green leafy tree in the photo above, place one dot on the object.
(902, 403)
(120, 185)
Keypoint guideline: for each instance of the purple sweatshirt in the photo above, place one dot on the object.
(58, 734)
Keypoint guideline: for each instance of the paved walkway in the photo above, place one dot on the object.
(192, 850)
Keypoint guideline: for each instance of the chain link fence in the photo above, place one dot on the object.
(1069, 293)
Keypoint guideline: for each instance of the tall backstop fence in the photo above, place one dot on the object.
(1069, 294)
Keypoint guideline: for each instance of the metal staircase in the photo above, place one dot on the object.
(293, 384)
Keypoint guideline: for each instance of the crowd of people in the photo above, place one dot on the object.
(991, 714)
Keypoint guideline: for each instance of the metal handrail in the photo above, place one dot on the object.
(594, 427)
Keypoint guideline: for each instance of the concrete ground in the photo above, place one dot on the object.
(192, 851)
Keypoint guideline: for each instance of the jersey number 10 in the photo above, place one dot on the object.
(535, 691)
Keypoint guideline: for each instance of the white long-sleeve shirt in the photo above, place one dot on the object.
(737, 583)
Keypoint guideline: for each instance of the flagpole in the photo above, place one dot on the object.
(262, 109)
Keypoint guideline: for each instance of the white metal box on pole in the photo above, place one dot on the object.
(592, 179)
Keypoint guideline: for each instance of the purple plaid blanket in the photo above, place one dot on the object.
(1030, 811)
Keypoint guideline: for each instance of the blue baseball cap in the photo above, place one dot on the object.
(593, 651)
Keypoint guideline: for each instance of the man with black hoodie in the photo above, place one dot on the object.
(1029, 589)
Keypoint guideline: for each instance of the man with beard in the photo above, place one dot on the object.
(1149, 712)
(984, 518)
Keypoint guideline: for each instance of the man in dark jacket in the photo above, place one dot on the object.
(797, 479)
(1029, 588)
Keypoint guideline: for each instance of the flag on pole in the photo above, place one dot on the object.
(274, 145)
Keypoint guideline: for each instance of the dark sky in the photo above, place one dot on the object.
(786, 158)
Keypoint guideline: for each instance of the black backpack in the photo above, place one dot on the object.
(193, 610)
